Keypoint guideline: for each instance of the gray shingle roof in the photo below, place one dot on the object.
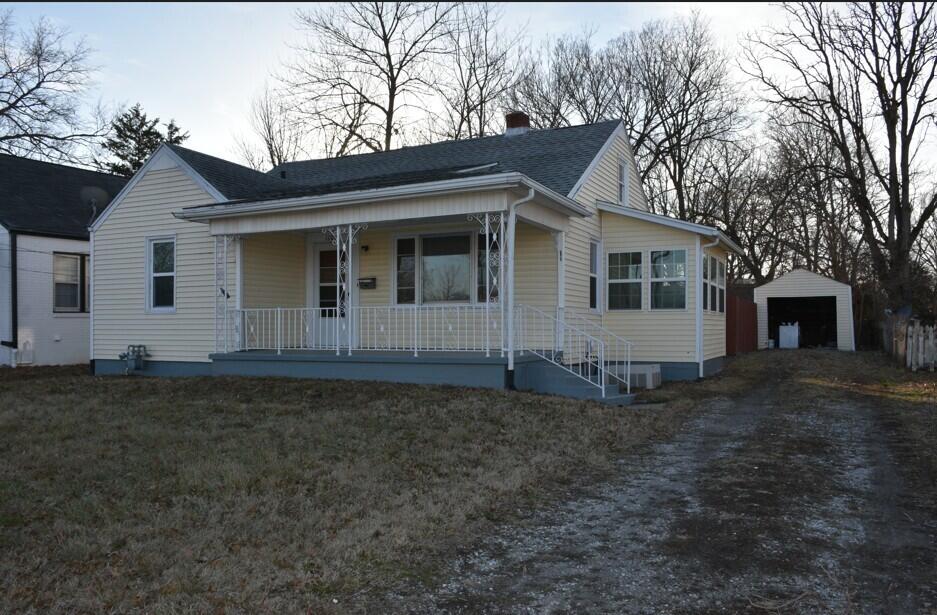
(234, 181)
(52, 199)
(556, 158)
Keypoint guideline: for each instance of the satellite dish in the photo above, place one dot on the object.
(94, 198)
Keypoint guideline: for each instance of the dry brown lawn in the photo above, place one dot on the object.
(280, 495)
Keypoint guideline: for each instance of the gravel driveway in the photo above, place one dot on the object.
(781, 500)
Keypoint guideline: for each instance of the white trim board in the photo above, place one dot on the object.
(162, 158)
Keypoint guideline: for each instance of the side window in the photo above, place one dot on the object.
(668, 279)
(722, 286)
(624, 281)
(69, 283)
(622, 182)
(594, 276)
(161, 273)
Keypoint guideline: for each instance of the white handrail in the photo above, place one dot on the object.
(618, 349)
(566, 346)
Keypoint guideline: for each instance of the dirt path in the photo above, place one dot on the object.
(775, 502)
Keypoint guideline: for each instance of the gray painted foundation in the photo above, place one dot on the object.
(455, 369)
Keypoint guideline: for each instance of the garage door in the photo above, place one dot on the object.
(815, 315)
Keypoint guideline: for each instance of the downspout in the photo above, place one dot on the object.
(13, 342)
(699, 300)
(512, 223)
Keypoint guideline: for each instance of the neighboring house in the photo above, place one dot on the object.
(45, 211)
(525, 259)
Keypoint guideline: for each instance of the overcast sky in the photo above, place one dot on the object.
(201, 63)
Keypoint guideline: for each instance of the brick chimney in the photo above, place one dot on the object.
(516, 123)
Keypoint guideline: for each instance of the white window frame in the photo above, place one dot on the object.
(710, 282)
(623, 187)
(418, 271)
(83, 299)
(150, 241)
(597, 274)
(684, 279)
(639, 281)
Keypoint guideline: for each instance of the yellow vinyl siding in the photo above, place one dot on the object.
(714, 323)
(119, 297)
(274, 270)
(658, 335)
(535, 267)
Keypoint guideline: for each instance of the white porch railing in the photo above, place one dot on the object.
(617, 348)
(576, 344)
(465, 328)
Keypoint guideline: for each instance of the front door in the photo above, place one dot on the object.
(328, 320)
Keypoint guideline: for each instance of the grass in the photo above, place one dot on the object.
(264, 494)
(239, 494)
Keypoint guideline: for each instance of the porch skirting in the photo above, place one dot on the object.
(455, 369)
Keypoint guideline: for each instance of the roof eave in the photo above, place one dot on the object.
(204, 213)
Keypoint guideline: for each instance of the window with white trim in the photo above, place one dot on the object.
(668, 279)
(624, 280)
(622, 182)
(161, 274)
(69, 282)
(721, 280)
(714, 284)
(594, 275)
(441, 269)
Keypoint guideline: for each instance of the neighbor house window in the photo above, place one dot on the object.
(624, 281)
(594, 276)
(161, 271)
(69, 282)
(622, 182)
(668, 279)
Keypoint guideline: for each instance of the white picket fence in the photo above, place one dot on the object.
(912, 343)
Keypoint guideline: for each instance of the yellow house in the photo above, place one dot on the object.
(526, 259)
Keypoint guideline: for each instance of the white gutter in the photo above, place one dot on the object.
(371, 195)
(699, 300)
(512, 223)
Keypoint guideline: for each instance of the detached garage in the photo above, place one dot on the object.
(821, 306)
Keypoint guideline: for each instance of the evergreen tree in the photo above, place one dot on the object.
(133, 138)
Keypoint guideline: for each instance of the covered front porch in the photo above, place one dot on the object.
(468, 289)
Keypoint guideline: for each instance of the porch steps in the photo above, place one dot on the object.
(548, 378)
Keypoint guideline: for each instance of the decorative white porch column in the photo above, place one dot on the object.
(493, 227)
(559, 239)
(344, 238)
(224, 291)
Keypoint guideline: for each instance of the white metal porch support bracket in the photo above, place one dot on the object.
(344, 238)
(493, 227)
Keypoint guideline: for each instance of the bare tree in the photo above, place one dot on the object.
(364, 66)
(477, 73)
(43, 79)
(541, 90)
(277, 136)
(695, 102)
(864, 74)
